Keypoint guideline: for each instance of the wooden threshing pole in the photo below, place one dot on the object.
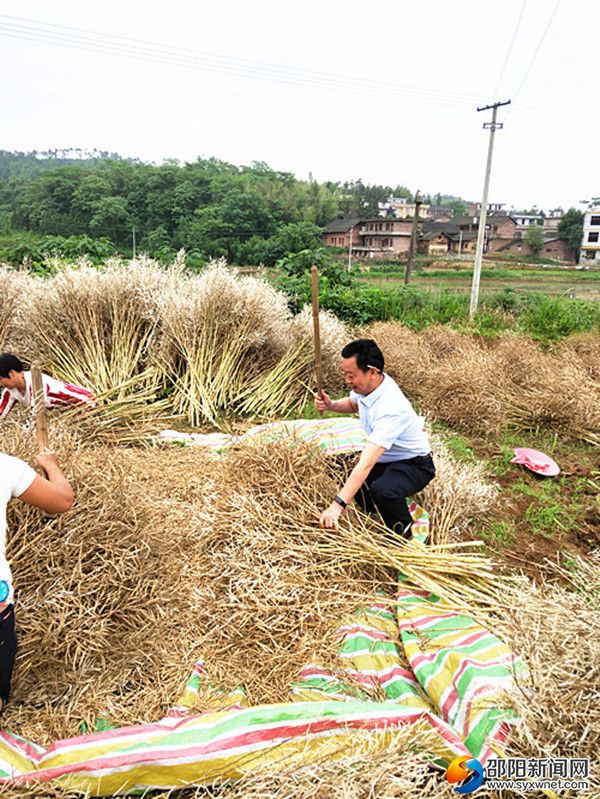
(41, 426)
(316, 332)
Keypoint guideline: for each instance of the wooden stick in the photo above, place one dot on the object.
(41, 426)
(316, 332)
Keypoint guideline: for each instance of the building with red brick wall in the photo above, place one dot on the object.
(338, 232)
(553, 247)
(383, 238)
(474, 209)
(374, 239)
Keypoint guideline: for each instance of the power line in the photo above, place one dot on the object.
(534, 56)
(108, 44)
(510, 46)
(99, 37)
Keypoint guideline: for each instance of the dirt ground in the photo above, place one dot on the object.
(539, 519)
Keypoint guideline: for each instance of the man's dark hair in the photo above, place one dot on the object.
(367, 354)
(9, 361)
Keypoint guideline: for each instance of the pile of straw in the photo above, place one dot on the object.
(169, 555)
(480, 385)
(12, 285)
(149, 340)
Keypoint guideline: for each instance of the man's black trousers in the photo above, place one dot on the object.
(389, 484)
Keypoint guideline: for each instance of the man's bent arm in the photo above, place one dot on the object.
(344, 405)
(368, 458)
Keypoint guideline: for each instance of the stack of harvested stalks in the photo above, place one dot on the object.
(481, 385)
(152, 341)
(169, 555)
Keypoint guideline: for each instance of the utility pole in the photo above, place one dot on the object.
(459, 242)
(413, 241)
(491, 126)
(350, 248)
(134, 241)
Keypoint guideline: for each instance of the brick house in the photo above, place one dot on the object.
(439, 238)
(474, 209)
(553, 247)
(374, 239)
(435, 242)
(338, 232)
(437, 213)
(500, 229)
(383, 238)
(401, 208)
(550, 223)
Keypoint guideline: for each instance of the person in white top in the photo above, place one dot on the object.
(396, 461)
(53, 494)
(17, 387)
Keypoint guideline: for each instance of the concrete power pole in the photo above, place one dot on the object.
(413, 241)
(133, 237)
(491, 126)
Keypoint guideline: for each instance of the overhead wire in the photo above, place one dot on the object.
(508, 52)
(84, 34)
(534, 56)
(109, 44)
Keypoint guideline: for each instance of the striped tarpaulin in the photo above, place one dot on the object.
(405, 661)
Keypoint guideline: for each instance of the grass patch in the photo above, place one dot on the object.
(542, 317)
(499, 533)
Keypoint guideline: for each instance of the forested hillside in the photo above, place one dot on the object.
(93, 201)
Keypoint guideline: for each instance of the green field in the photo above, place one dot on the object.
(569, 282)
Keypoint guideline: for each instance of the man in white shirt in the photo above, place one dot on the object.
(396, 461)
(52, 495)
(17, 386)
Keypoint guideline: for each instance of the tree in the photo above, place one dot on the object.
(570, 230)
(289, 239)
(111, 218)
(534, 236)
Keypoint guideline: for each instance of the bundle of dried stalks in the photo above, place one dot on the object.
(12, 285)
(481, 386)
(566, 401)
(459, 494)
(467, 391)
(444, 342)
(218, 331)
(230, 345)
(407, 354)
(556, 629)
(95, 327)
(283, 389)
(584, 349)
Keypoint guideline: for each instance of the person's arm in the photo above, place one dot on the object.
(58, 393)
(368, 458)
(52, 495)
(323, 402)
(7, 402)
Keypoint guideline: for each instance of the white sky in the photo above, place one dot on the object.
(547, 153)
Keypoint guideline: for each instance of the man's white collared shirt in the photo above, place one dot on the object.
(390, 421)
